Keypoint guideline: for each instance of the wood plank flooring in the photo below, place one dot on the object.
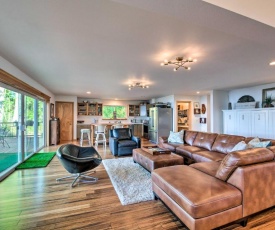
(32, 199)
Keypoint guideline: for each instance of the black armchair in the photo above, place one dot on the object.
(77, 161)
(122, 142)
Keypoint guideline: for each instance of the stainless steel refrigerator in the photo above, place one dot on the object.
(160, 123)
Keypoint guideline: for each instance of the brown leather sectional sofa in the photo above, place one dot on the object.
(222, 187)
(202, 146)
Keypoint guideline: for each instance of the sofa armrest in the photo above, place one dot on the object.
(256, 182)
(113, 145)
(163, 139)
(137, 140)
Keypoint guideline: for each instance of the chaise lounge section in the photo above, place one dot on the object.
(211, 194)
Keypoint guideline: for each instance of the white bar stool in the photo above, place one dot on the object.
(87, 132)
(100, 131)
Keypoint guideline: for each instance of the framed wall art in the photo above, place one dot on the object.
(196, 105)
(197, 111)
(203, 120)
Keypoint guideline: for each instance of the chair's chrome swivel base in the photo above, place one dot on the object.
(80, 177)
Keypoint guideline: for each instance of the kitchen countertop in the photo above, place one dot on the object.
(106, 123)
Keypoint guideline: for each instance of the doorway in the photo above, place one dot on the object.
(64, 111)
(183, 115)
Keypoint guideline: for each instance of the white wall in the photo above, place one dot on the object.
(13, 70)
(73, 99)
(256, 92)
(218, 102)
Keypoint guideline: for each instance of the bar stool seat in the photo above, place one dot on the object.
(87, 132)
(100, 132)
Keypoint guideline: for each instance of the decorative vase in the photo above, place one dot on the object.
(203, 108)
(229, 106)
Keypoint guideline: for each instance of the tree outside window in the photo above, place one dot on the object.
(114, 112)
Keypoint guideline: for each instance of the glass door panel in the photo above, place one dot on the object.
(29, 120)
(40, 118)
(10, 142)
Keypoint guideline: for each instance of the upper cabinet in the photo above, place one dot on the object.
(134, 110)
(90, 109)
(94, 109)
(81, 108)
(139, 110)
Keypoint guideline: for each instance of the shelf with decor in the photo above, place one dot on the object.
(95, 109)
(89, 109)
(82, 108)
(134, 110)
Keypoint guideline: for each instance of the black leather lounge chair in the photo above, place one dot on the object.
(122, 142)
(77, 161)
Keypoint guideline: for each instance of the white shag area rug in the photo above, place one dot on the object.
(132, 182)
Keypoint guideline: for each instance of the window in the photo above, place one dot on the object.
(114, 112)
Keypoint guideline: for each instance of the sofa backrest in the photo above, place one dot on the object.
(189, 136)
(242, 158)
(205, 140)
(225, 143)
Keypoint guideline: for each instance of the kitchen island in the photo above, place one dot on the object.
(137, 128)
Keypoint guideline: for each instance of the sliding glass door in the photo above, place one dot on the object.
(10, 138)
(22, 119)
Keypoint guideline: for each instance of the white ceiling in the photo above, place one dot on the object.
(255, 9)
(101, 46)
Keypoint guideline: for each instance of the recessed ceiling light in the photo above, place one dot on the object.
(272, 63)
(198, 92)
(88, 92)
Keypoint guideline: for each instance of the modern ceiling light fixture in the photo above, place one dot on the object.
(138, 85)
(180, 61)
(272, 63)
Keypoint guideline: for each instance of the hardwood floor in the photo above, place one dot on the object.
(32, 199)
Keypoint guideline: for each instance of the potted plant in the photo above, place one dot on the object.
(268, 102)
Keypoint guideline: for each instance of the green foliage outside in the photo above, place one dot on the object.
(10, 110)
(114, 112)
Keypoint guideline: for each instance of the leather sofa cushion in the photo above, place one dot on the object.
(241, 158)
(225, 143)
(209, 168)
(189, 136)
(126, 143)
(205, 140)
(199, 194)
(171, 146)
(206, 156)
(122, 134)
(187, 150)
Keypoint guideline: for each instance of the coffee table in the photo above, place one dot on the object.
(151, 162)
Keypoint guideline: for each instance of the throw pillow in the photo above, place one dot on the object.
(240, 146)
(176, 136)
(254, 141)
(261, 144)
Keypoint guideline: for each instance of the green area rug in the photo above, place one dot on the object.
(38, 160)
